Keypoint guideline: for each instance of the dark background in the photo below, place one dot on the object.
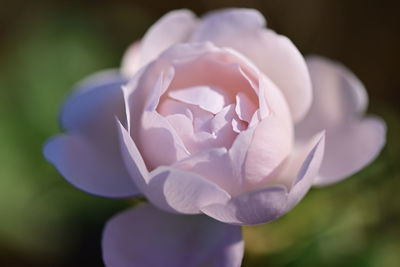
(47, 46)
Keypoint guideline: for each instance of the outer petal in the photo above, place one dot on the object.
(214, 165)
(181, 191)
(339, 97)
(269, 203)
(88, 156)
(145, 236)
(339, 102)
(228, 22)
(173, 27)
(271, 144)
(273, 54)
(255, 207)
(131, 60)
(304, 165)
(351, 149)
(99, 92)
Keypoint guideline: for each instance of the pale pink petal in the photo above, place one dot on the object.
(183, 126)
(211, 66)
(201, 120)
(339, 102)
(272, 143)
(200, 117)
(351, 149)
(145, 236)
(238, 125)
(269, 203)
(221, 127)
(181, 123)
(227, 22)
(168, 188)
(275, 102)
(170, 107)
(273, 54)
(131, 60)
(134, 92)
(339, 97)
(222, 119)
(224, 168)
(278, 58)
(160, 143)
(175, 190)
(159, 87)
(143, 87)
(174, 27)
(237, 156)
(244, 107)
(301, 168)
(262, 102)
(221, 133)
(133, 159)
(214, 165)
(206, 97)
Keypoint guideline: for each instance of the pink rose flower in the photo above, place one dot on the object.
(217, 116)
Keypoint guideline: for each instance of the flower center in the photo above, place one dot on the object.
(208, 102)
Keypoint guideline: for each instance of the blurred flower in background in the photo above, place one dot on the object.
(49, 223)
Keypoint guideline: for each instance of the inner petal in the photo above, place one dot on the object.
(238, 125)
(222, 119)
(170, 106)
(221, 71)
(199, 117)
(206, 97)
(244, 107)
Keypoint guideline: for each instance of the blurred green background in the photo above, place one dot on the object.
(47, 46)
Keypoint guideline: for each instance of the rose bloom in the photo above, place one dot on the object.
(217, 116)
